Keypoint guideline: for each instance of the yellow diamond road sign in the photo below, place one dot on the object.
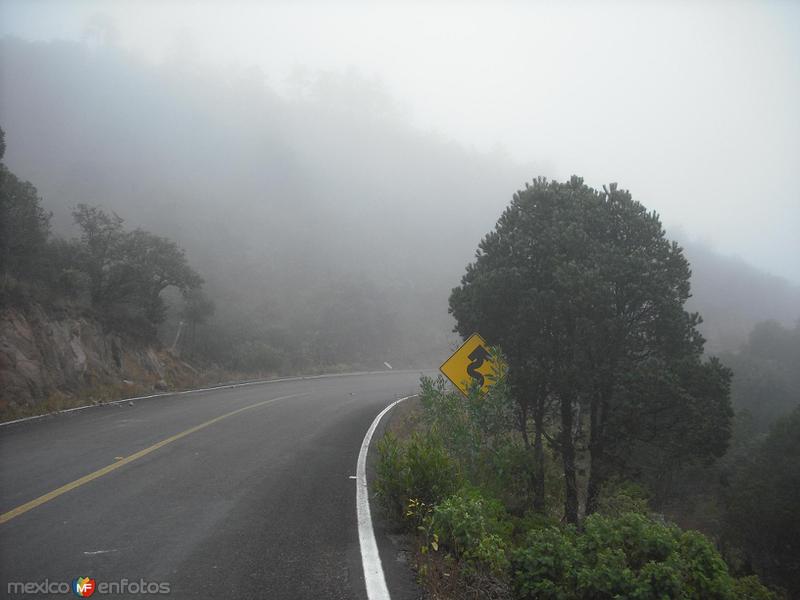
(471, 364)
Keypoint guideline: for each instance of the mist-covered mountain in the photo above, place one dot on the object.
(733, 296)
(322, 219)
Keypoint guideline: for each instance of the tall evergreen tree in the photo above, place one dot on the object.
(585, 295)
(24, 225)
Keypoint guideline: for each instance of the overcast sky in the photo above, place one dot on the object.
(692, 106)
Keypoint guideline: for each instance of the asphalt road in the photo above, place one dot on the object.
(258, 504)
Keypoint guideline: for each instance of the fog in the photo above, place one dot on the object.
(332, 167)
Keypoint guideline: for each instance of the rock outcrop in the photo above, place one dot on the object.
(42, 354)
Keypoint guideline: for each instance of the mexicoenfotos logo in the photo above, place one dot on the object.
(83, 587)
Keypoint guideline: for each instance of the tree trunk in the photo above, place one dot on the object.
(538, 456)
(523, 424)
(597, 478)
(595, 456)
(568, 457)
(598, 469)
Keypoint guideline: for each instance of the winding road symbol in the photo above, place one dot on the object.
(478, 357)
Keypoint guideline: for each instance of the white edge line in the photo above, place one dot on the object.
(221, 386)
(370, 557)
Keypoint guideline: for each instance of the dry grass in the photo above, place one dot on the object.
(100, 393)
(404, 418)
(443, 578)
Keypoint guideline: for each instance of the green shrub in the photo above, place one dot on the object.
(491, 553)
(657, 580)
(531, 520)
(545, 566)
(750, 588)
(468, 425)
(481, 430)
(705, 574)
(420, 471)
(429, 473)
(446, 414)
(608, 576)
(506, 472)
(629, 556)
(620, 497)
(640, 539)
(473, 528)
(389, 487)
(762, 521)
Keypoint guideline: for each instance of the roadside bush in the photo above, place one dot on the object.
(463, 485)
(506, 472)
(468, 426)
(430, 475)
(481, 431)
(389, 487)
(419, 472)
(629, 556)
(545, 566)
(474, 528)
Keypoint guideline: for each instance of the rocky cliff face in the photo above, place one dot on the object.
(70, 357)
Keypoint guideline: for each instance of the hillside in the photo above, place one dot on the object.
(53, 360)
(297, 209)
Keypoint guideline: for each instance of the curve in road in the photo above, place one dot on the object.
(230, 493)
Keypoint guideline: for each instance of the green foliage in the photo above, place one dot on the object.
(692, 395)
(746, 498)
(122, 273)
(491, 554)
(474, 528)
(389, 486)
(766, 381)
(750, 588)
(197, 310)
(762, 505)
(24, 227)
(429, 473)
(468, 426)
(585, 295)
(480, 431)
(623, 557)
(101, 237)
(198, 307)
(151, 264)
(705, 573)
(545, 567)
(420, 472)
(620, 497)
(639, 539)
(446, 414)
(128, 270)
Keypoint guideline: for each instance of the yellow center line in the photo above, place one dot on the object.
(23, 508)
